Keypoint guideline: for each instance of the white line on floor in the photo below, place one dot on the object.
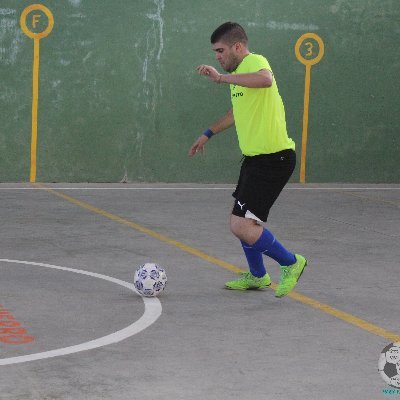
(151, 313)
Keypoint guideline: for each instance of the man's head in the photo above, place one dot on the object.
(230, 45)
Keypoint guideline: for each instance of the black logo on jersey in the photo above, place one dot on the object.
(239, 94)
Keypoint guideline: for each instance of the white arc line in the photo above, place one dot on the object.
(151, 313)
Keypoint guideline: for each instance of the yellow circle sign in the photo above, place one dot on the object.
(35, 20)
(308, 41)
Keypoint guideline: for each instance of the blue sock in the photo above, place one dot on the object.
(268, 245)
(254, 259)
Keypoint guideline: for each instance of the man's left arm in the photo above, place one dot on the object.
(259, 79)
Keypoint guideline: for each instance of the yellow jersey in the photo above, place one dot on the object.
(259, 113)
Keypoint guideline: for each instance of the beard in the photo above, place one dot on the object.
(231, 64)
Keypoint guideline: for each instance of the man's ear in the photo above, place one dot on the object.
(238, 47)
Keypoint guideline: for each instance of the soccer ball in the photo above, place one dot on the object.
(389, 364)
(150, 279)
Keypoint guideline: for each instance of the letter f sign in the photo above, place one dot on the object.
(35, 20)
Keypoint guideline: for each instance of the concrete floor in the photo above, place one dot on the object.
(208, 342)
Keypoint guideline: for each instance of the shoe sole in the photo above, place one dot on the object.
(298, 278)
(250, 288)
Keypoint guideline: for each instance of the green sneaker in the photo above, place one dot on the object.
(289, 276)
(249, 281)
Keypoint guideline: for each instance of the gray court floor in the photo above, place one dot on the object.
(208, 342)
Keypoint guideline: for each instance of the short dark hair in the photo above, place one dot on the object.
(229, 33)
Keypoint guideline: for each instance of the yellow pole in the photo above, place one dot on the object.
(35, 97)
(36, 36)
(305, 124)
(308, 62)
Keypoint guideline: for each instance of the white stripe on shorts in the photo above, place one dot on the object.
(250, 215)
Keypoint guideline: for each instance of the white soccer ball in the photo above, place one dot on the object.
(389, 364)
(393, 355)
(150, 279)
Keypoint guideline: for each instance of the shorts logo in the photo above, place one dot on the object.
(241, 205)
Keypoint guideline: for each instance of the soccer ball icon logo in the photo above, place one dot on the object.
(389, 364)
(150, 279)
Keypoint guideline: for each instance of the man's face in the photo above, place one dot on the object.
(227, 55)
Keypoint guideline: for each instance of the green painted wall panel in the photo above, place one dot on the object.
(119, 99)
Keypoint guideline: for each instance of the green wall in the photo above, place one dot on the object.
(119, 98)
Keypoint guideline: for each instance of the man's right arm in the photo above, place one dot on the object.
(225, 122)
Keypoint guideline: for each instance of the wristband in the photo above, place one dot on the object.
(208, 133)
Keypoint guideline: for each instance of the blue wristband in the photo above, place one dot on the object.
(208, 133)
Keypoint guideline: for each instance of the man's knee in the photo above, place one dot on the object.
(236, 225)
(242, 228)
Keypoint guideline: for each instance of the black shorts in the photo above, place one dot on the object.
(261, 180)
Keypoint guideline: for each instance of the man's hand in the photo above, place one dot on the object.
(198, 145)
(210, 72)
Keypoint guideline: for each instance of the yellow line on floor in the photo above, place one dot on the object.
(346, 317)
(372, 199)
(146, 231)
